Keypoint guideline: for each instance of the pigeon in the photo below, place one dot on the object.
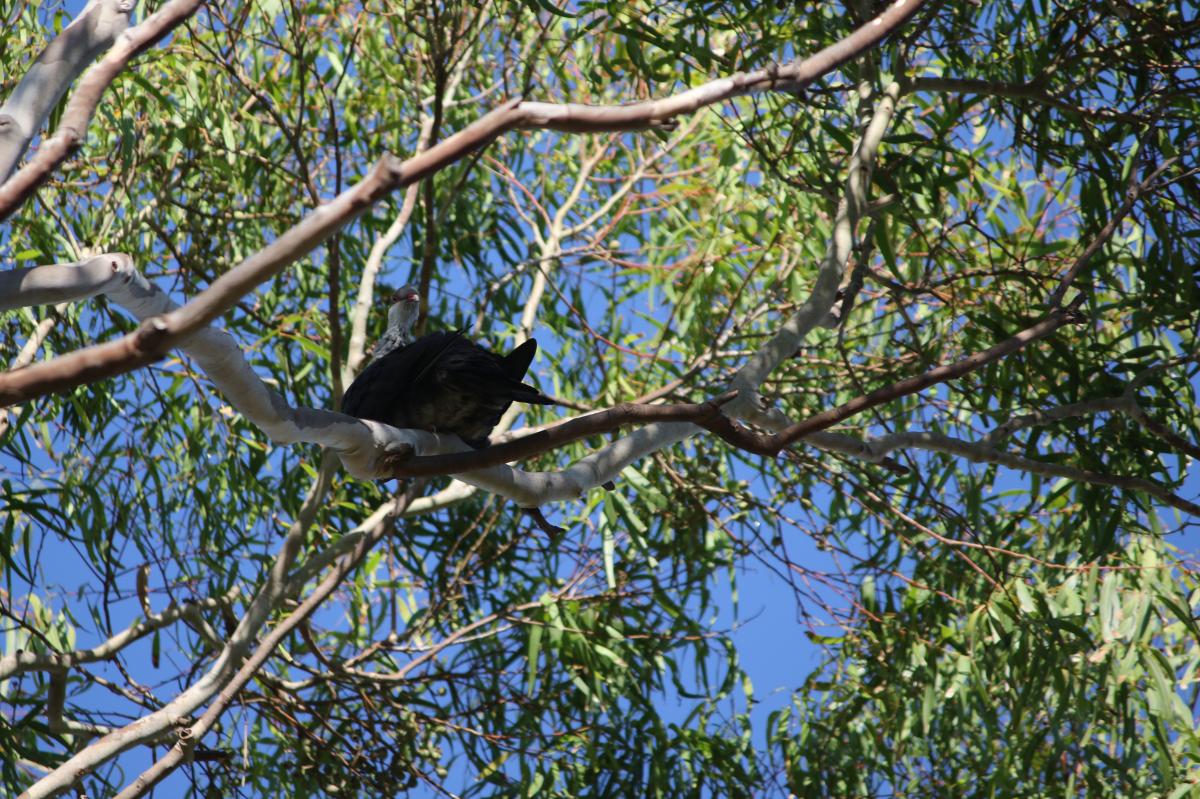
(442, 382)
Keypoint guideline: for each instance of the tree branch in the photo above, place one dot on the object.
(984, 452)
(156, 336)
(772, 444)
(21, 661)
(82, 105)
(1015, 91)
(1135, 192)
(53, 71)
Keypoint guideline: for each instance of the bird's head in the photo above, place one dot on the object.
(404, 305)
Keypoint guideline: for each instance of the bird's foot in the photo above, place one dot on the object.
(543, 524)
(394, 456)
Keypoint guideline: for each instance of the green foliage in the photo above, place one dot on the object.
(1058, 682)
(985, 630)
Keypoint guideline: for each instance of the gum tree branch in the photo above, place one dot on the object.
(159, 334)
(1043, 417)
(1127, 404)
(162, 721)
(22, 661)
(53, 71)
(55, 283)
(190, 735)
(824, 292)
(59, 284)
(984, 452)
(82, 106)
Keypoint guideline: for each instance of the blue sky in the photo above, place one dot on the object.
(774, 649)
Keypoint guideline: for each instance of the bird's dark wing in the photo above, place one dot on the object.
(444, 382)
(385, 390)
(365, 398)
(515, 365)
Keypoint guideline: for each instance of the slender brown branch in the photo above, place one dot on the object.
(1105, 233)
(542, 523)
(772, 444)
(1017, 91)
(984, 452)
(708, 414)
(139, 349)
(1162, 431)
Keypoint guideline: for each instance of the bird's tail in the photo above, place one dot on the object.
(515, 365)
(531, 396)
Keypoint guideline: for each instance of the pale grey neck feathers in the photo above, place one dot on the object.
(402, 315)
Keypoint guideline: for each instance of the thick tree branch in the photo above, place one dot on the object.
(82, 105)
(821, 299)
(54, 283)
(156, 336)
(53, 71)
(60, 284)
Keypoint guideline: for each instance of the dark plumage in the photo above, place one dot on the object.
(444, 383)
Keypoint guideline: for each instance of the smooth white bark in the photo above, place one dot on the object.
(55, 283)
(363, 445)
(52, 73)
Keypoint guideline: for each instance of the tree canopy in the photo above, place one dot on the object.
(894, 306)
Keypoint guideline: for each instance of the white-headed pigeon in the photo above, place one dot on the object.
(442, 382)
